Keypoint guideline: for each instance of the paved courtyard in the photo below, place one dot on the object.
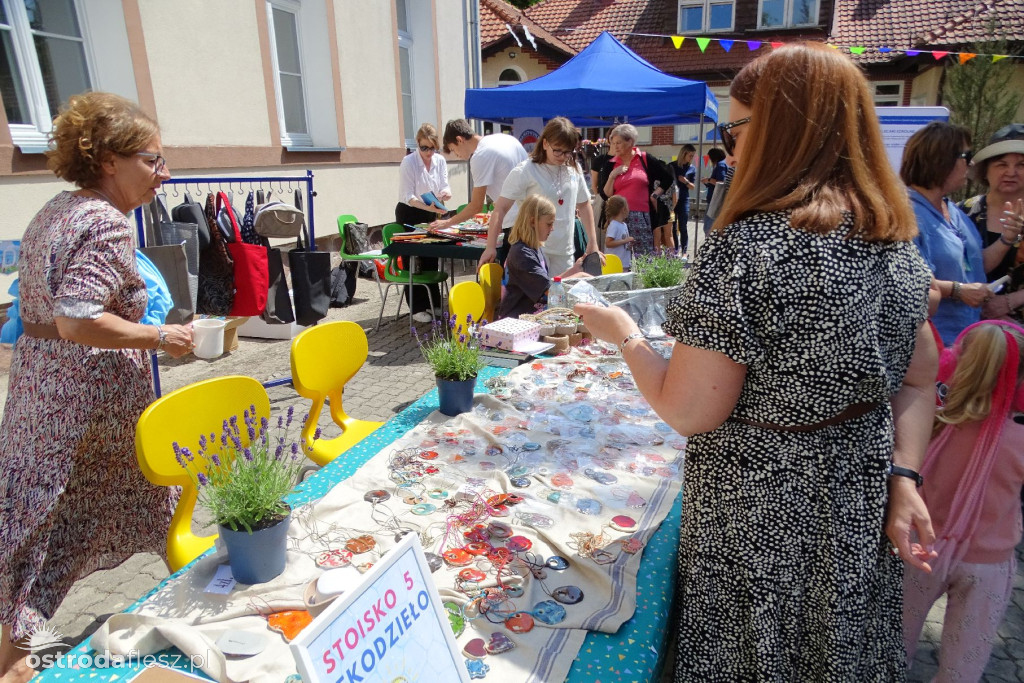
(394, 376)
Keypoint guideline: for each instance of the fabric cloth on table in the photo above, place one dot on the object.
(556, 182)
(72, 497)
(784, 569)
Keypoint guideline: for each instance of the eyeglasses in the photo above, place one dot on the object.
(967, 156)
(159, 163)
(560, 153)
(728, 139)
(427, 148)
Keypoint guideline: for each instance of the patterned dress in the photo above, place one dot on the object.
(785, 573)
(72, 497)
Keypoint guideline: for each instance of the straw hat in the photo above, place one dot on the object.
(1004, 141)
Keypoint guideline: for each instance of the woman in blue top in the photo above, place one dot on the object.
(935, 163)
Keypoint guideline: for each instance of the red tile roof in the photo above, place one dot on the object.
(496, 16)
(922, 24)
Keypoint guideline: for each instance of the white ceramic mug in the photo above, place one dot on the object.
(209, 337)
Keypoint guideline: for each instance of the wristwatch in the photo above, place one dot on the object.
(897, 471)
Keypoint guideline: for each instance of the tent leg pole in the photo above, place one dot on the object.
(698, 222)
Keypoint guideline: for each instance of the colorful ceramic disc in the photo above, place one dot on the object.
(548, 612)
(623, 523)
(518, 544)
(377, 496)
(520, 622)
(567, 595)
(557, 563)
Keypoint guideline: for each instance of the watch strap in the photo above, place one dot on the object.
(897, 471)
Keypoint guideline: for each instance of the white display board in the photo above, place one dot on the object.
(527, 130)
(390, 626)
(899, 123)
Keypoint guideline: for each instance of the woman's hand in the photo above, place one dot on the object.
(975, 293)
(907, 512)
(444, 196)
(178, 340)
(1012, 220)
(609, 324)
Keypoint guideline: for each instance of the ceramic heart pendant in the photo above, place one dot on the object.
(475, 649)
(499, 643)
(289, 623)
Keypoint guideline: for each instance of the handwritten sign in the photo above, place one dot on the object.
(391, 625)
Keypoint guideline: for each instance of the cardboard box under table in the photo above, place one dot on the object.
(634, 652)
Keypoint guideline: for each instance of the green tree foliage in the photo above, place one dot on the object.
(979, 93)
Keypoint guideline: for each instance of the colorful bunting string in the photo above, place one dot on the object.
(754, 45)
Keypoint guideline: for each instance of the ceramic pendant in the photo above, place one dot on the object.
(549, 612)
(475, 649)
(635, 501)
(499, 556)
(476, 669)
(433, 561)
(437, 494)
(455, 618)
(289, 623)
(554, 497)
(600, 477)
(498, 644)
(332, 559)
(487, 466)
(623, 523)
(514, 591)
(520, 622)
(520, 482)
(557, 563)
(422, 509)
(519, 544)
(457, 557)
(413, 500)
(478, 534)
(430, 469)
(377, 496)
(474, 575)
(632, 546)
(567, 595)
(499, 530)
(536, 520)
(428, 455)
(562, 481)
(588, 506)
(501, 511)
(360, 544)
(517, 471)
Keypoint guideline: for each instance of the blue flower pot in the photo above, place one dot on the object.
(455, 396)
(257, 557)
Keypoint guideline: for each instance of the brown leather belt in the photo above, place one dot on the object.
(40, 331)
(852, 412)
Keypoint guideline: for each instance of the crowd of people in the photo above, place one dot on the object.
(848, 363)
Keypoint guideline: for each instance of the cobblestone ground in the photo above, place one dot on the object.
(394, 376)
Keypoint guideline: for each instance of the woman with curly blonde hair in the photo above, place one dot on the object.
(72, 497)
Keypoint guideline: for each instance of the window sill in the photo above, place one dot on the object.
(786, 29)
(304, 148)
(32, 147)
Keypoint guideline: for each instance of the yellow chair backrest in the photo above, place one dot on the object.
(324, 358)
(612, 264)
(181, 417)
(490, 276)
(466, 300)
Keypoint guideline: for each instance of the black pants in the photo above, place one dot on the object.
(410, 215)
(682, 234)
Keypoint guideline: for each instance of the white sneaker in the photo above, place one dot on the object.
(422, 317)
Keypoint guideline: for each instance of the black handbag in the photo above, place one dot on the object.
(279, 303)
(216, 270)
(172, 263)
(311, 281)
(178, 233)
(192, 212)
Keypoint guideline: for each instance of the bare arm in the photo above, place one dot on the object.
(475, 206)
(695, 391)
(913, 410)
(586, 211)
(501, 207)
(113, 332)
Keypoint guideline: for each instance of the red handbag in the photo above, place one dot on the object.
(252, 274)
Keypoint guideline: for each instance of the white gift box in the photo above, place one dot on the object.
(509, 333)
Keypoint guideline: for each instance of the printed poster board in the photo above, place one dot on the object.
(899, 123)
(392, 625)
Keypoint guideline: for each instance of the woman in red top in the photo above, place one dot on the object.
(641, 179)
(972, 473)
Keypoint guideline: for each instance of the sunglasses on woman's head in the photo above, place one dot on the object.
(728, 139)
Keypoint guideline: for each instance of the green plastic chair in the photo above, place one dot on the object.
(399, 277)
(370, 256)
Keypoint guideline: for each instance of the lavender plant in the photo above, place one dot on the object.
(243, 486)
(451, 351)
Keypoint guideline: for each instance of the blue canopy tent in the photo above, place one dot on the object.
(604, 83)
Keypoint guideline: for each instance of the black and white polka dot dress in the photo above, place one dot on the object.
(785, 572)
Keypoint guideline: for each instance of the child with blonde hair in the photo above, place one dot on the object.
(617, 239)
(528, 279)
(973, 472)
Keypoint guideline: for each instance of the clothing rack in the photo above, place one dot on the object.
(244, 183)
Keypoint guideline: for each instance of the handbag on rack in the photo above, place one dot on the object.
(216, 269)
(279, 303)
(251, 275)
(172, 263)
(277, 219)
(177, 233)
(311, 281)
(192, 212)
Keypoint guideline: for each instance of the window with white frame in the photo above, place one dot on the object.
(701, 16)
(509, 76)
(42, 63)
(303, 79)
(416, 65)
(405, 46)
(888, 93)
(782, 13)
(643, 135)
(289, 86)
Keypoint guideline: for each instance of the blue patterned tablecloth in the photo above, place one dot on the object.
(634, 654)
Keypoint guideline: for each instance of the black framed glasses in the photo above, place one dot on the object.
(560, 153)
(966, 156)
(159, 163)
(728, 139)
(427, 148)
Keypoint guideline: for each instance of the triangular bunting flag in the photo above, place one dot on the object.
(726, 44)
(996, 58)
(702, 43)
(776, 46)
(967, 56)
(753, 45)
(939, 54)
(913, 53)
(834, 47)
(678, 41)
(857, 50)
(885, 50)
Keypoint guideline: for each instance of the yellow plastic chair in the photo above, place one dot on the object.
(182, 416)
(490, 276)
(612, 264)
(324, 358)
(466, 301)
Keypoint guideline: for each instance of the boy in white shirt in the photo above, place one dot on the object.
(617, 239)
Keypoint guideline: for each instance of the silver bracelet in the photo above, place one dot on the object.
(629, 338)
(162, 337)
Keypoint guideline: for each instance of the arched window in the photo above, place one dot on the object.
(509, 77)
